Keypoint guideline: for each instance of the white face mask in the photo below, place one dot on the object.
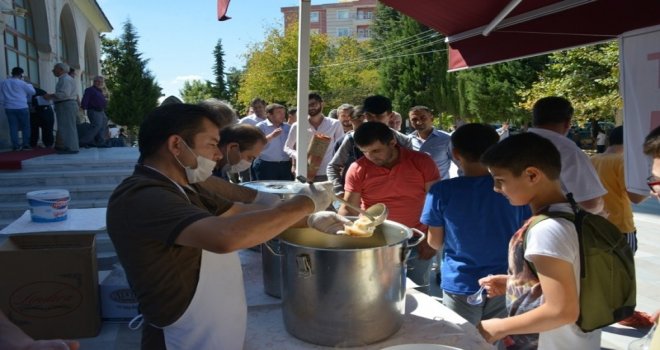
(242, 166)
(203, 170)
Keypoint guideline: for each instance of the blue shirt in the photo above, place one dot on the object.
(15, 93)
(437, 146)
(274, 149)
(478, 224)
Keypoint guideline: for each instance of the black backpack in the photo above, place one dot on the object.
(607, 268)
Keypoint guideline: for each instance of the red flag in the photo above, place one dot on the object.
(222, 10)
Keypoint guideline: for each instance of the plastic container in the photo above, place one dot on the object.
(48, 205)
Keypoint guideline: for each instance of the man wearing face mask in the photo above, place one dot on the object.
(178, 240)
(240, 144)
(274, 163)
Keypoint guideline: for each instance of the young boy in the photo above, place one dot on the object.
(464, 215)
(543, 306)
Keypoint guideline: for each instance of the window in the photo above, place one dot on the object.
(20, 48)
(342, 32)
(363, 32)
(342, 14)
(365, 14)
(314, 16)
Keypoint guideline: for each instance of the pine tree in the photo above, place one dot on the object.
(133, 89)
(219, 86)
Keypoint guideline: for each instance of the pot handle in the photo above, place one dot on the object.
(422, 236)
(271, 250)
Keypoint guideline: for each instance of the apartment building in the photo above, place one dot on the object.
(345, 18)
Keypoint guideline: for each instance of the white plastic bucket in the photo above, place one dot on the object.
(48, 205)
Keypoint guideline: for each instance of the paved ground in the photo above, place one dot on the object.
(115, 336)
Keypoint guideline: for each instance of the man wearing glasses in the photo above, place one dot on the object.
(652, 148)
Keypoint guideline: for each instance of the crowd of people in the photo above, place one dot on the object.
(53, 120)
(178, 222)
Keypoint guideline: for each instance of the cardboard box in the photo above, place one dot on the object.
(49, 285)
(118, 303)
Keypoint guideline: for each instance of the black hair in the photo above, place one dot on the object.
(358, 113)
(518, 152)
(292, 111)
(377, 104)
(257, 100)
(273, 106)
(180, 119)
(472, 140)
(616, 136)
(552, 110)
(245, 135)
(16, 71)
(315, 96)
(370, 132)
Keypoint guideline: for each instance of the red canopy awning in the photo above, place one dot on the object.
(533, 27)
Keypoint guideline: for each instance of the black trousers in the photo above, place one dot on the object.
(43, 118)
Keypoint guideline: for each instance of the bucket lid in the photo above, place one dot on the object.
(278, 187)
(48, 194)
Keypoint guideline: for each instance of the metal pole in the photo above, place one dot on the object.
(303, 137)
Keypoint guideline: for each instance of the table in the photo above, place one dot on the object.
(79, 221)
(425, 319)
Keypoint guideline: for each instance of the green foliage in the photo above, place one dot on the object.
(412, 64)
(338, 71)
(219, 88)
(492, 93)
(233, 86)
(587, 76)
(197, 90)
(132, 87)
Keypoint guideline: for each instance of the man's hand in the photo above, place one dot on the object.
(327, 222)
(320, 193)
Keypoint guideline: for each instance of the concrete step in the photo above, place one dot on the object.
(77, 191)
(80, 176)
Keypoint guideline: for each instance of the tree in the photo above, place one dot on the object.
(219, 87)
(234, 77)
(132, 87)
(272, 65)
(412, 63)
(493, 93)
(588, 76)
(197, 90)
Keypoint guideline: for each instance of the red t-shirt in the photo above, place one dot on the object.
(402, 188)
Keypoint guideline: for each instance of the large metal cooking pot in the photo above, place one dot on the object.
(271, 261)
(345, 291)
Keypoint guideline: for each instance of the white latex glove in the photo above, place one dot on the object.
(266, 199)
(327, 222)
(320, 193)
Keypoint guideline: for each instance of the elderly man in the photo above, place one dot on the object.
(66, 110)
(94, 102)
(178, 239)
(397, 177)
(273, 163)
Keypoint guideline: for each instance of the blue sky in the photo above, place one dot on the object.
(178, 37)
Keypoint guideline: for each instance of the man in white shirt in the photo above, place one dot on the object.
(273, 163)
(552, 120)
(318, 124)
(503, 131)
(66, 110)
(258, 115)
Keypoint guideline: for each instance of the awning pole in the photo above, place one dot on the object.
(303, 137)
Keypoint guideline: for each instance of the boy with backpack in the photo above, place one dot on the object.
(543, 285)
(464, 215)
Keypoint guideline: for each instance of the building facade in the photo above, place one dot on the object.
(342, 19)
(39, 33)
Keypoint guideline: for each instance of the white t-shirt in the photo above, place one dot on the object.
(328, 127)
(557, 238)
(578, 175)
